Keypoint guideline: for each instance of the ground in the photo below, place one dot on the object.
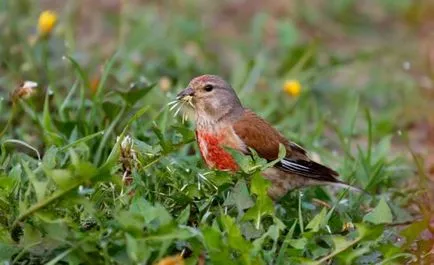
(99, 119)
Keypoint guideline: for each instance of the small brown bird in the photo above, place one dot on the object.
(222, 121)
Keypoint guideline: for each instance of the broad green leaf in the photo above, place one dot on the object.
(85, 170)
(16, 172)
(132, 248)
(212, 239)
(57, 231)
(158, 216)
(299, 243)
(153, 215)
(186, 133)
(140, 206)
(273, 232)
(31, 236)
(380, 215)
(235, 238)
(348, 256)
(368, 232)
(184, 215)
(111, 109)
(7, 184)
(216, 247)
(318, 221)
(263, 207)
(40, 186)
(240, 196)
(259, 185)
(248, 164)
(250, 231)
(340, 243)
(220, 178)
(414, 230)
(7, 251)
(49, 159)
(132, 223)
(134, 94)
(62, 177)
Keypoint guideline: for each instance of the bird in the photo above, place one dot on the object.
(222, 122)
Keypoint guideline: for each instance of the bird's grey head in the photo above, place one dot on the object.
(212, 98)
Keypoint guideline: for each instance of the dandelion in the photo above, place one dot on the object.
(126, 145)
(24, 90)
(46, 23)
(292, 88)
(128, 158)
(173, 260)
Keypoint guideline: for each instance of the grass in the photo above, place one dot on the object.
(100, 114)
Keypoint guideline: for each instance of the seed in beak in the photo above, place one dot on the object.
(186, 94)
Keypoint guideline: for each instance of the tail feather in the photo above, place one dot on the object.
(315, 171)
(309, 169)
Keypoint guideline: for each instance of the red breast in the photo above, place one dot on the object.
(211, 146)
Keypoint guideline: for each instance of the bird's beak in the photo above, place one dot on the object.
(185, 94)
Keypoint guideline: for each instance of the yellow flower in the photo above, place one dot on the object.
(173, 260)
(46, 23)
(292, 88)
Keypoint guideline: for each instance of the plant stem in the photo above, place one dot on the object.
(9, 122)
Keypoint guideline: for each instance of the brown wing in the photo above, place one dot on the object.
(256, 133)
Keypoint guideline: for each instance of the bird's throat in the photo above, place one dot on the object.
(217, 121)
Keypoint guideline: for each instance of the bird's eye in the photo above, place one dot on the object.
(208, 88)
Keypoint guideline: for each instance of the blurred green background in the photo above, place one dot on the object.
(366, 71)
